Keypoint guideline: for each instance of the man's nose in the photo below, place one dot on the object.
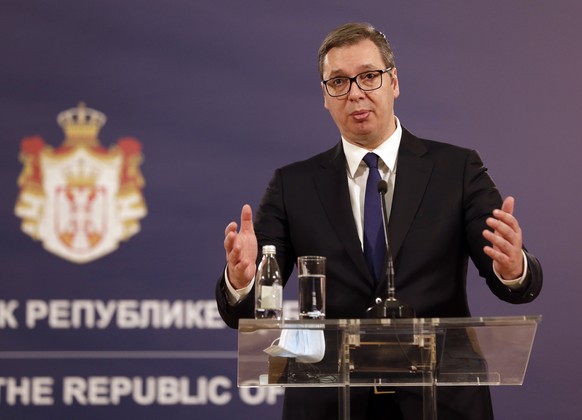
(355, 91)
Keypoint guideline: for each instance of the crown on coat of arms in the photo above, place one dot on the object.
(81, 122)
(80, 176)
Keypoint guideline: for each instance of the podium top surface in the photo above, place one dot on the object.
(245, 324)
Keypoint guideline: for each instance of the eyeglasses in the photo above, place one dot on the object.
(366, 81)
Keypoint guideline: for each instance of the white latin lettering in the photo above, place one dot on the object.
(273, 394)
(27, 391)
(18, 391)
(98, 390)
(201, 398)
(74, 390)
(215, 395)
(42, 390)
(2, 384)
(168, 392)
(120, 387)
(144, 394)
(259, 395)
(163, 390)
(252, 396)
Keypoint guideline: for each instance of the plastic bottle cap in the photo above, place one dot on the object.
(269, 249)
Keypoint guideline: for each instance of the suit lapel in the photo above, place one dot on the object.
(332, 186)
(412, 176)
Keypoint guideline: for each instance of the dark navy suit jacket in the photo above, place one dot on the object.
(442, 197)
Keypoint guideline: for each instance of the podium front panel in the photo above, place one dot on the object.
(371, 352)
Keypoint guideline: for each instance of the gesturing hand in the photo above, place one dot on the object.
(241, 249)
(506, 241)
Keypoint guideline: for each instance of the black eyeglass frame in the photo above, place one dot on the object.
(355, 79)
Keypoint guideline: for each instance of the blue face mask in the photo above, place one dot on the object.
(306, 346)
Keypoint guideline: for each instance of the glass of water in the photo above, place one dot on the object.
(311, 272)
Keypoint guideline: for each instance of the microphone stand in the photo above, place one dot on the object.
(390, 307)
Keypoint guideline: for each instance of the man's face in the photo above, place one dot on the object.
(363, 118)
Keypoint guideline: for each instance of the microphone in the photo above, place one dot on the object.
(389, 307)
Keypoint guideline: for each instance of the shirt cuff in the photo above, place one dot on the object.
(514, 283)
(233, 295)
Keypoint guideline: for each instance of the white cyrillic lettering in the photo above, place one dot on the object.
(172, 314)
(35, 310)
(193, 314)
(212, 316)
(128, 314)
(82, 314)
(7, 318)
(150, 310)
(104, 313)
(59, 315)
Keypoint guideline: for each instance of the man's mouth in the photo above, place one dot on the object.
(360, 115)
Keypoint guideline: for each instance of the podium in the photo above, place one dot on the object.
(387, 353)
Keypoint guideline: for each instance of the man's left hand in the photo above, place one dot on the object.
(506, 241)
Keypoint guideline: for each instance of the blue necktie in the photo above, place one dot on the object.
(374, 242)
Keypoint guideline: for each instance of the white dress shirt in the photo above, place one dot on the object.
(357, 172)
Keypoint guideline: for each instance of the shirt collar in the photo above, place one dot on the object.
(387, 150)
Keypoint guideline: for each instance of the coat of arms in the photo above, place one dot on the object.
(80, 199)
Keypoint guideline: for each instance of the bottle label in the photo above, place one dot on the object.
(271, 297)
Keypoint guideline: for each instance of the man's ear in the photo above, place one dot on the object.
(325, 96)
(394, 83)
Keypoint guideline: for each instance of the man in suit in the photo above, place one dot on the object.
(445, 209)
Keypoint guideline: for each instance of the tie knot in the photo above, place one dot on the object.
(371, 160)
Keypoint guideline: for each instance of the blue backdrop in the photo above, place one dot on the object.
(218, 94)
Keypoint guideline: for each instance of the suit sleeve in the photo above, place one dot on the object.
(230, 314)
(481, 197)
(271, 228)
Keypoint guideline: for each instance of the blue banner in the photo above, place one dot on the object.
(133, 132)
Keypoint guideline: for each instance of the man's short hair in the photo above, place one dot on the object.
(352, 33)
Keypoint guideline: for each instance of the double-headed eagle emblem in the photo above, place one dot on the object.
(80, 199)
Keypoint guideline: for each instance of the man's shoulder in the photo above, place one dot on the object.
(316, 161)
(421, 145)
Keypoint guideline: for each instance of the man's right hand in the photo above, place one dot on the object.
(241, 249)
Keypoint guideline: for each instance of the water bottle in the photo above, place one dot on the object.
(268, 286)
